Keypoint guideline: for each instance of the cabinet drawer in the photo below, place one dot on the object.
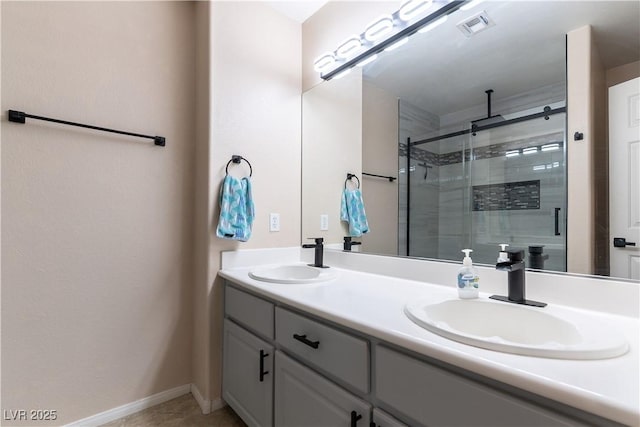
(252, 312)
(337, 353)
(434, 396)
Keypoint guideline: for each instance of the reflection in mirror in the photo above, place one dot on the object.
(504, 180)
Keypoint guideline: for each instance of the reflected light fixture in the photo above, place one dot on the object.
(386, 33)
(512, 153)
(530, 150)
(367, 61)
(397, 44)
(379, 28)
(324, 61)
(412, 8)
(349, 47)
(434, 24)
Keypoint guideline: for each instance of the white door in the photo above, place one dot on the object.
(624, 179)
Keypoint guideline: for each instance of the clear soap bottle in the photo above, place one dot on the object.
(467, 278)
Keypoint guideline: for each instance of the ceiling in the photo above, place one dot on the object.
(444, 71)
(298, 10)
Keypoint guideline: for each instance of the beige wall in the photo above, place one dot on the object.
(97, 237)
(255, 112)
(331, 148)
(380, 156)
(579, 153)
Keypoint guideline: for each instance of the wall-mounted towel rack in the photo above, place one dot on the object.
(349, 177)
(20, 117)
(390, 178)
(237, 159)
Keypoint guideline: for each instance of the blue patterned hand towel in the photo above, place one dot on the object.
(352, 211)
(236, 209)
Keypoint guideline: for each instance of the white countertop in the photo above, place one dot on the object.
(373, 304)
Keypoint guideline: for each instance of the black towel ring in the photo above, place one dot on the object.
(349, 176)
(237, 159)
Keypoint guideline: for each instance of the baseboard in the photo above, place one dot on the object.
(133, 407)
(217, 404)
(205, 405)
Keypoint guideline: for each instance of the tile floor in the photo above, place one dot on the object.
(182, 411)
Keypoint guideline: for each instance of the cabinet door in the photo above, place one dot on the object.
(304, 398)
(247, 375)
(433, 396)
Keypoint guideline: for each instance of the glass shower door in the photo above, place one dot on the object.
(518, 192)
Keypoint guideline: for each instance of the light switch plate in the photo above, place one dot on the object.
(324, 222)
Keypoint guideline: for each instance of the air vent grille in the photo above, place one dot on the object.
(475, 24)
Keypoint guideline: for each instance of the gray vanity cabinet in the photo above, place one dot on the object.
(247, 378)
(433, 396)
(304, 398)
(382, 419)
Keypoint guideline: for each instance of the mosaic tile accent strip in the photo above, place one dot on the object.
(486, 152)
(510, 196)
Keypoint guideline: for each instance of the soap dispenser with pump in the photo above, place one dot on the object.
(467, 278)
(503, 256)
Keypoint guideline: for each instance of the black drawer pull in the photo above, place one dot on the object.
(262, 371)
(557, 222)
(303, 339)
(354, 418)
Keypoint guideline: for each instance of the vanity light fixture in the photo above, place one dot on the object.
(434, 24)
(412, 8)
(379, 28)
(367, 61)
(349, 47)
(539, 167)
(387, 31)
(342, 74)
(397, 44)
(530, 150)
(323, 61)
(512, 153)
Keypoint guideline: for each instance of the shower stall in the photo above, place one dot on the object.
(495, 181)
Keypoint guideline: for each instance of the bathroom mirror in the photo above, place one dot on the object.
(460, 186)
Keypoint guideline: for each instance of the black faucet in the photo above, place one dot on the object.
(515, 269)
(536, 257)
(348, 243)
(319, 246)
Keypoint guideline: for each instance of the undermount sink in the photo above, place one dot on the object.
(511, 328)
(292, 274)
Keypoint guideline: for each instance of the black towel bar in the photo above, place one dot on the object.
(20, 117)
(390, 178)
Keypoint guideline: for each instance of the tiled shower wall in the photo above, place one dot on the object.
(442, 217)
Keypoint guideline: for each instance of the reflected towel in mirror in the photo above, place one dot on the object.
(352, 211)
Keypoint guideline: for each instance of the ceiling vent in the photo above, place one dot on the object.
(475, 24)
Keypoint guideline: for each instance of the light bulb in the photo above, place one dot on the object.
(379, 28)
(324, 61)
(349, 47)
(412, 8)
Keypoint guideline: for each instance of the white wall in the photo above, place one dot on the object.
(97, 236)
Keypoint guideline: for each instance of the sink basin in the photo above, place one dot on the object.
(545, 332)
(292, 274)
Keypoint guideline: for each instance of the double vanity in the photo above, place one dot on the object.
(386, 342)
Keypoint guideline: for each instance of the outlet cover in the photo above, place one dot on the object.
(324, 222)
(274, 222)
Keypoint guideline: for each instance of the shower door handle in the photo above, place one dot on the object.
(557, 222)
